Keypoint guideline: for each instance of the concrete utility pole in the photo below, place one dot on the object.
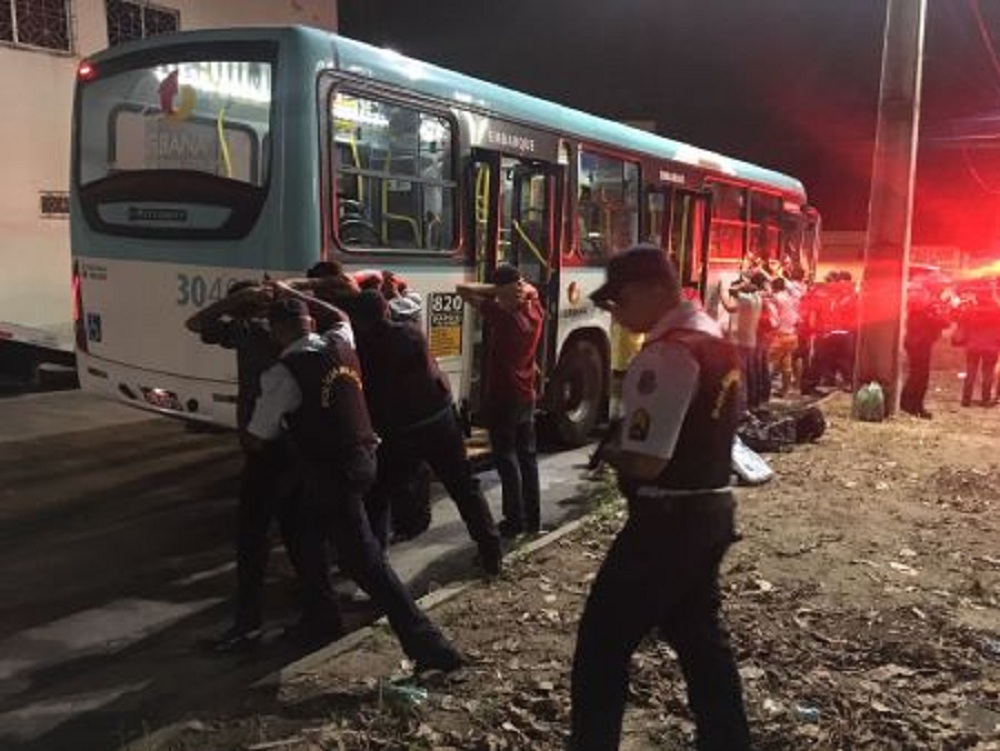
(887, 248)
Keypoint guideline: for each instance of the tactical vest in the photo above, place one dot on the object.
(332, 424)
(702, 458)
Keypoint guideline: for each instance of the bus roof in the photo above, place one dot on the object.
(324, 49)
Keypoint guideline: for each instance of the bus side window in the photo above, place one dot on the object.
(607, 206)
(395, 175)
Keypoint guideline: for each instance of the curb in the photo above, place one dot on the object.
(428, 602)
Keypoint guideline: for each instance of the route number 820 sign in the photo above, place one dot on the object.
(446, 313)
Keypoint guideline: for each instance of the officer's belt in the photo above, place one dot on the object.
(652, 491)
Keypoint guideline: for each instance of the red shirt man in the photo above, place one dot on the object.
(514, 315)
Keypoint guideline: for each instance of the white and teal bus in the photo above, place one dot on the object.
(205, 157)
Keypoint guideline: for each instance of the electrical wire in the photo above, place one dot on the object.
(977, 12)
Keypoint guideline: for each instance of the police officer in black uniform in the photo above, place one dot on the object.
(673, 461)
(411, 406)
(315, 392)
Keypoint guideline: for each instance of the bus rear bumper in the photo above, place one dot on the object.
(170, 395)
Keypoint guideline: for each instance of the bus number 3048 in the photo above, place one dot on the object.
(196, 290)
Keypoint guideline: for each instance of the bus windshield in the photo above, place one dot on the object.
(188, 132)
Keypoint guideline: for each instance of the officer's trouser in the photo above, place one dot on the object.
(442, 445)
(267, 490)
(661, 572)
(333, 507)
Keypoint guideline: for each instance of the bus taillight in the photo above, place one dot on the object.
(79, 322)
(86, 71)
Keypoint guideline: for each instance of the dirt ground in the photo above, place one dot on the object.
(863, 602)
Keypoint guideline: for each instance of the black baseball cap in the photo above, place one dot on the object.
(640, 263)
(505, 274)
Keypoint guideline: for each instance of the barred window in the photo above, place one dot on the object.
(133, 19)
(36, 23)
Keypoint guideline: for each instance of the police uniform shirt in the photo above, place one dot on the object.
(279, 391)
(661, 383)
(333, 323)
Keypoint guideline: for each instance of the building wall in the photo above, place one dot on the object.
(35, 144)
(845, 251)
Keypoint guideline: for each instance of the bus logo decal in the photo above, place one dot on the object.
(168, 91)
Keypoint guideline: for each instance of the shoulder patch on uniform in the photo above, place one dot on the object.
(729, 387)
(638, 425)
(337, 373)
(647, 382)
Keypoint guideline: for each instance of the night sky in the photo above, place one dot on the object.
(790, 84)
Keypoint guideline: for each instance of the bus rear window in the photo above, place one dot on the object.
(180, 146)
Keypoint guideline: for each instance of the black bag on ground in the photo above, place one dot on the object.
(766, 433)
(810, 424)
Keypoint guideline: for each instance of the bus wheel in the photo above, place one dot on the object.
(576, 393)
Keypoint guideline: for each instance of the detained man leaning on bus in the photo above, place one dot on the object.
(238, 322)
(326, 281)
(511, 308)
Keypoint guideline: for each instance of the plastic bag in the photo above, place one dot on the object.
(869, 403)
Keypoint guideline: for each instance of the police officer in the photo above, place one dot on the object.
(413, 411)
(315, 392)
(673, 461)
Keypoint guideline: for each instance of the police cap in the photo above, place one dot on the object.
(640, 263)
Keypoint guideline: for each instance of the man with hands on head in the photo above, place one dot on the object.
(238, 322)
(514, 316)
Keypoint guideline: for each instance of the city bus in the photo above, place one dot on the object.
(206, 157)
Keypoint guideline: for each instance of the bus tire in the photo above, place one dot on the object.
(576, 393)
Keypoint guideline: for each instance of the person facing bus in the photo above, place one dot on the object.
(314, 395)
(673, 458)
(784, 343)
(514, 315)
(237, 322)
(745, 304)
(412, 409)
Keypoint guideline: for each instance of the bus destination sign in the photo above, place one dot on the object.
(502, 136)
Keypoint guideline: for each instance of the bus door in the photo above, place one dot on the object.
(685, 237)
(517, 219)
